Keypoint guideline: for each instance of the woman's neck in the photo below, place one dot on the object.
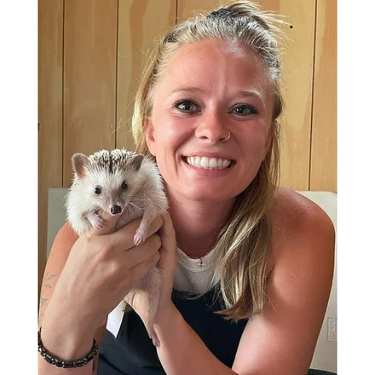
(198, 224)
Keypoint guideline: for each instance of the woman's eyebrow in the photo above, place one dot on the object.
(251, 94)
(240, 93)
(186, 89)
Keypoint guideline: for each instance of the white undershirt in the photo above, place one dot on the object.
(195, 275)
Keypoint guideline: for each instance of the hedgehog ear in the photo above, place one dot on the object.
(79, 162)
(137, 162)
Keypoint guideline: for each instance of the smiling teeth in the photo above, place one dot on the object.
(208, 163)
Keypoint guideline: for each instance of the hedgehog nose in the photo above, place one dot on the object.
(116, 209)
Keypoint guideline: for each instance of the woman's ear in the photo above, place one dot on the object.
(149, 135)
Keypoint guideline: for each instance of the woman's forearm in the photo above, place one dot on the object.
(181, 350)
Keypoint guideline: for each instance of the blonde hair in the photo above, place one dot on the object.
(245, 241)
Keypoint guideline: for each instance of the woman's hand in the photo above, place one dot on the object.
(101, 269)
(137, 299)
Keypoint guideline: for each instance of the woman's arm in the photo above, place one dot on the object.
(281, 340)
(85, 278)
(59, 254)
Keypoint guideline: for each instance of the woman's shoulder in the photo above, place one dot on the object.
(292, 210)
(300, 225)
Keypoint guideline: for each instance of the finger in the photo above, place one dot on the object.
(168, 250)
(141, 269)
(110, 222)
(143, 252)
(156, 224)
(126, 234)
(167, 233)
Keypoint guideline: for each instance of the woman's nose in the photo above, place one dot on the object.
(212, 127)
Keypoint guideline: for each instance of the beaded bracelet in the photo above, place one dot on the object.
(66, 364)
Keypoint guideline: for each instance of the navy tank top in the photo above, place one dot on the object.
(132, 352)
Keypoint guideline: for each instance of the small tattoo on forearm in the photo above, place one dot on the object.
(49, 281)
(46, 281)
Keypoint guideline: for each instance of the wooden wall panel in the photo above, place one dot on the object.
(140, 21)
(324, 124)
(297, 82)
(50, 58)
(90, 48)
(189, 8)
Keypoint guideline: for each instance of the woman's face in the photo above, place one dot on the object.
(211, 88)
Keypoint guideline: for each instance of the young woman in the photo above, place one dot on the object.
(246, 266)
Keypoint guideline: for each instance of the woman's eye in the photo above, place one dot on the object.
(186, 106)
(244, 110)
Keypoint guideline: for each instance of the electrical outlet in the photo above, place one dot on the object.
(332, 328)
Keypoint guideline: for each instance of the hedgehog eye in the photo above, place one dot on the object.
(98, 190)
(124, 185)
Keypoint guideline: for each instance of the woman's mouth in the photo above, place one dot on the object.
(208, 163)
